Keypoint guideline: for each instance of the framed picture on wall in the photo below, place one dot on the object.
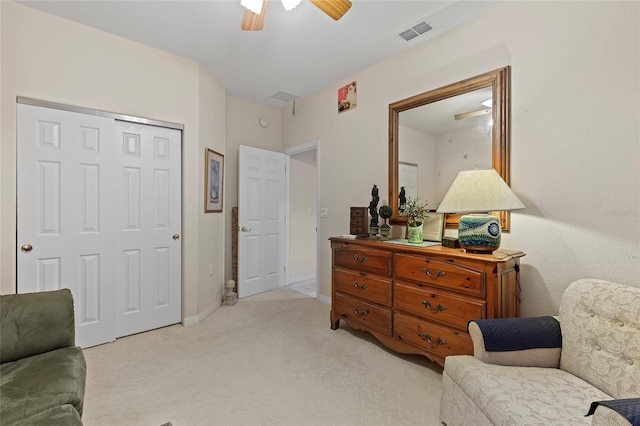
(433, 227)
(347, 97)
(213, 183)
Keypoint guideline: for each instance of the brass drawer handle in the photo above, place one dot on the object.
(363, 287)
(357, 259)
(438, 274)
(362, 314)
(426, 337)
(439, 308)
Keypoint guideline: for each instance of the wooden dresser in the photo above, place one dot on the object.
(418, 300)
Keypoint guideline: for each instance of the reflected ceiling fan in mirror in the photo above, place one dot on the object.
(487, 110)
(253, 19)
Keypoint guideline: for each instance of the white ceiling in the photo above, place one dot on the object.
(298, 52)
(438, 117)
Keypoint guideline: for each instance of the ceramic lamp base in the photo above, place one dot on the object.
(479, 233)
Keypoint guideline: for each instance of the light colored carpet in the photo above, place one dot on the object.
(271, 359)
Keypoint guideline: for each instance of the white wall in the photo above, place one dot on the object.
(53, 59)
(574, 149)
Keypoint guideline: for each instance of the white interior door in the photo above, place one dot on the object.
(66, 213)
(262, 219)
(149, 249)
(99, 212)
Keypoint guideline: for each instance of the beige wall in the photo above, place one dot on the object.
(575, 149)
(211, 228)
(53, 59)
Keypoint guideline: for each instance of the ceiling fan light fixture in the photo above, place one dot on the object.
(253, 5)
(290, 4)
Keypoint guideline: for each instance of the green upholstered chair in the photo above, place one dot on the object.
(42, 372)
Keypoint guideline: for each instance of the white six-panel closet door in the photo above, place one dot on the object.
(98, 205)
(148, 253)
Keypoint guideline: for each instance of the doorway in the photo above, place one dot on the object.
(303, 201)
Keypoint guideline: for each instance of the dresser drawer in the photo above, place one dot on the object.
(367, 314)
(363, 286)
(463, 278)
(432, 303)
(362, 259)
(439, 340)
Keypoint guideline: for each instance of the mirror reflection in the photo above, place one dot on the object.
(437, 140)
(434, 135)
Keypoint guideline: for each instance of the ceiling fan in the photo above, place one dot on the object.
(488, 104)
(470, 114)
(253, 19)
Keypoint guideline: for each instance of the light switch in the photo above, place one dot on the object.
(324, 212)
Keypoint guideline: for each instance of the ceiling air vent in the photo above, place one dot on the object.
(415, 31)
(283, 97)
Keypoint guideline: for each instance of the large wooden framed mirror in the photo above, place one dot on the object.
(434, 135)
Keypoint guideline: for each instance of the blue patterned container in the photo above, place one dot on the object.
(479, 233)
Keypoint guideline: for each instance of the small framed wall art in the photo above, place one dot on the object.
(213, 181)
(347, 97)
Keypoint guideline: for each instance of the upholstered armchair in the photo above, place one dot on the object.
(548, 371)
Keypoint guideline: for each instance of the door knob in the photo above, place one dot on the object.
(26, 248)
(245, 229)
(176, 237)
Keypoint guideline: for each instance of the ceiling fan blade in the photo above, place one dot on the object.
(333, 8)
(252, 21)
(472, 114)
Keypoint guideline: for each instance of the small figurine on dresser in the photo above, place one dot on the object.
(385, 213)
(403, 199)
(373, 211)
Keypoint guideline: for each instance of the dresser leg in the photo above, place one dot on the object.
(335, 321)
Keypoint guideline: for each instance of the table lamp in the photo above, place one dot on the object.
(479, 192)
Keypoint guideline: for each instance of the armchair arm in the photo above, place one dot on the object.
(615, 412)
(34, 323)
(525, 342)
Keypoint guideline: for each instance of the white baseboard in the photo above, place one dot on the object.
(324, 299)
(190, 321)
(308, 277)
